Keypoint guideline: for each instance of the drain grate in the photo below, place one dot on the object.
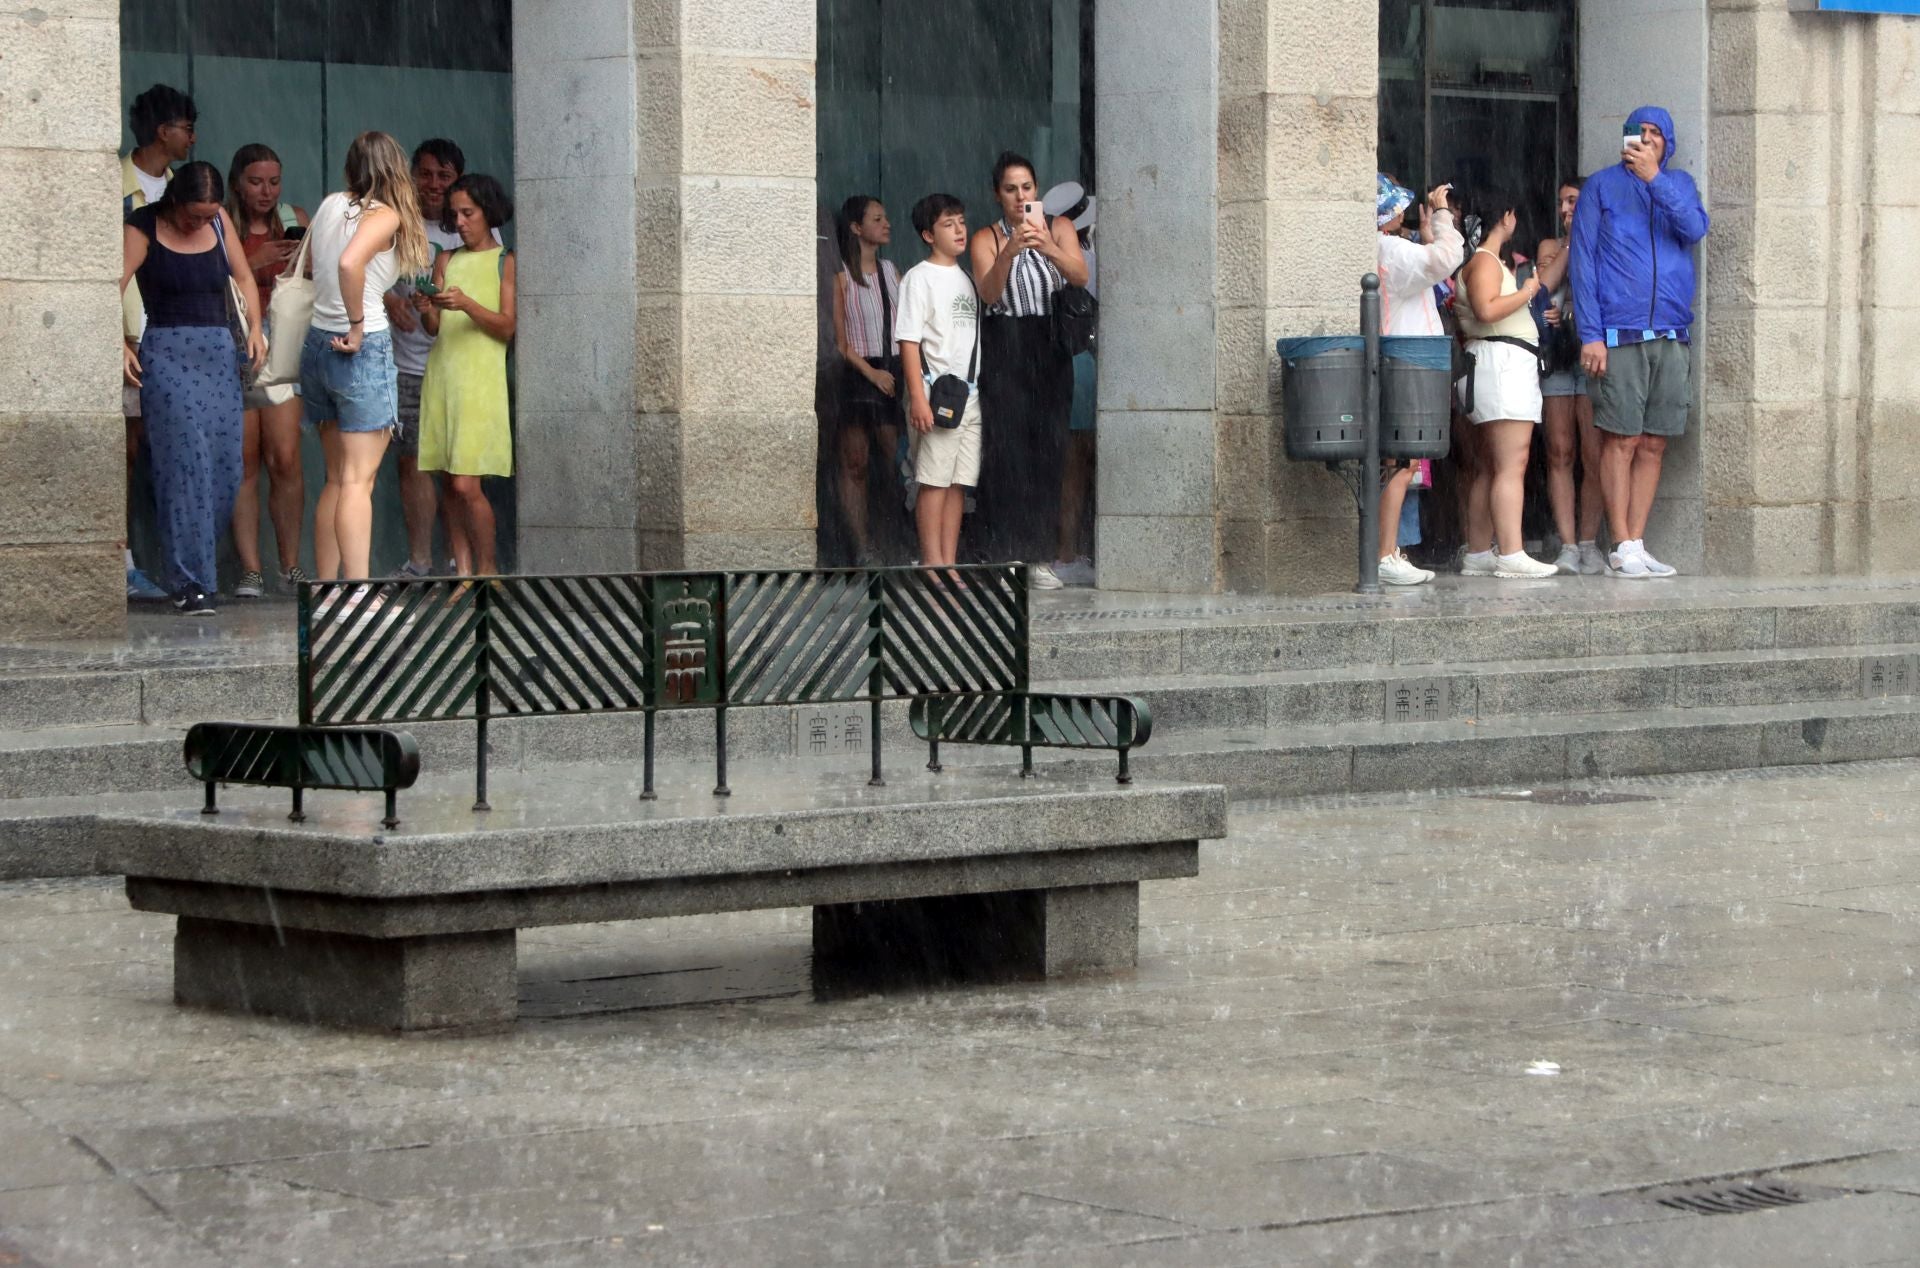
(1738, 1199)
(1567, 797)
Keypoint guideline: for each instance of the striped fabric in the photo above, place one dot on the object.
(1030, 284)
(861, 308)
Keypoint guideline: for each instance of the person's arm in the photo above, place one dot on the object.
(993, 260)
(133, 253)
(1583, 265)
(1062, 246)
(1554, 271)
(1432, 262)
(1676, 195)
(375, 234)
(500, 324)
(1483, 291)
(840, 341)
(919, 412)
(242, 272)
(430, 313)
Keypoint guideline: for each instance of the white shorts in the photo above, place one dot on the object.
(1506, 384)
(947, 456)
(262, 397)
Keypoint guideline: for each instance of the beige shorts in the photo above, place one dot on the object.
(948, 456)
(261, 397)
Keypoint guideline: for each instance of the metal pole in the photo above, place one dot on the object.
(483, 675)
(1370, 423)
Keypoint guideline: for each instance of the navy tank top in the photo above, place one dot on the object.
(180, 288)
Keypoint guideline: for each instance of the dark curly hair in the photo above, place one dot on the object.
(487, 194)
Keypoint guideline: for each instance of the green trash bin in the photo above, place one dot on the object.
(1323, 394)
(1416, 415)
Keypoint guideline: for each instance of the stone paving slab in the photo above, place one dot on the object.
(1321, 1060)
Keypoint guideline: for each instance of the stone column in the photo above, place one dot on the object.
(1298, 129)
(665, 158)
(62, 453)
(1812, 442)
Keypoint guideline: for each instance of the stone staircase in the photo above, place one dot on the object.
(1459, 685)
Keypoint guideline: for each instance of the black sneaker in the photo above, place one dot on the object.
(193, 603)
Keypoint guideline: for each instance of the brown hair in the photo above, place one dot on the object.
(378, 172)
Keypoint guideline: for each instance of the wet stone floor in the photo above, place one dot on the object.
(1334, 1051)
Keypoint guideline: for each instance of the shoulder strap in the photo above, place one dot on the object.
(288, 219)
(886, 311)
(979, 322)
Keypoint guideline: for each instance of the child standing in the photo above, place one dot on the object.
(938, 328)
(464, 428)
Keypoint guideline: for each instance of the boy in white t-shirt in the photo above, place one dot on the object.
(938, 327)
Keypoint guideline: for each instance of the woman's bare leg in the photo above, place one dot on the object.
(326, 537)
(1557, 417)
(246, 502)
(1593, 503)
(1511, 441)
(476, 519)
(1393, 496)
(287, 486)
(853, 485)
(360, 454)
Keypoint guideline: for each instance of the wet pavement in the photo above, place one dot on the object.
(1479, 1027)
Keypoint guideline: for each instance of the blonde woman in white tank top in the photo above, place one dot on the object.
(1506, 401)
(363, 238)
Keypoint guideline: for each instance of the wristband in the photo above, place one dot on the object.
(356, 321)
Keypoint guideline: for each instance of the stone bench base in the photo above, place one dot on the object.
(334, 924)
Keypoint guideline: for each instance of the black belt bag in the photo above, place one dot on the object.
(1075, 311)
(947, 398)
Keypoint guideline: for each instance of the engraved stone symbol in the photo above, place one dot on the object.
(1430, 703)
(1402, 704)
(689, 625)
(852, 739)
(817, 733)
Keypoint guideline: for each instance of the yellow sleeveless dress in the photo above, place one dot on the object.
(463, 402)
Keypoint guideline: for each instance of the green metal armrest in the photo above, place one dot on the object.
(299, 758)
(1031, 720)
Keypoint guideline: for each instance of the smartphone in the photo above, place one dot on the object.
(1034, 214)
(1627, 139)
(295, 234)
(425, 286)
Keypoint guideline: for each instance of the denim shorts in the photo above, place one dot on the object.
(1565, 383)
(355, 390)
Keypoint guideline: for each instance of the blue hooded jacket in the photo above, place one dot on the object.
(1632, 262)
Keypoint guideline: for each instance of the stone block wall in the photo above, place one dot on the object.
(1298, 119)
(1813, 402)
(62, 448)
(665, 151)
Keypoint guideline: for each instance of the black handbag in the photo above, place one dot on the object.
(947, 398)
(1075, 313)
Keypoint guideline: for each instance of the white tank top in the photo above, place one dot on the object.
(333, 226)
(1517, 324)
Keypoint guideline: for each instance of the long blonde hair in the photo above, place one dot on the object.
(377, 173)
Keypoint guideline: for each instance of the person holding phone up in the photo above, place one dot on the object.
(1021, 261)
(1634, 230)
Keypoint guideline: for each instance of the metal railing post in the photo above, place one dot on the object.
(483, 671)
(1369, 582)
(876, 680)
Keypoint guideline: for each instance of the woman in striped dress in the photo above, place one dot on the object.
(1026, 389)
(866, 291)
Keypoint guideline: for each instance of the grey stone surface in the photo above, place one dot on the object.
(1734, 746)
(1227, 649)
(454, 981)
(1319, 1059)
(1518, 759)
(44, 700)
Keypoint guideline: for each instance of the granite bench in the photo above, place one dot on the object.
(340, 921)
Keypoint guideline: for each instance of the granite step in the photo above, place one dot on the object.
(1520, 688)
(1248, 639)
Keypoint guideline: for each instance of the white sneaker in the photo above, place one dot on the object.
(1477, 563)
(1041, 577)
(1567, 562)
(1522, 566)
(1397, 570)
(1593, 560)
(1628, 563)
(1077, 572)
(1654, 566)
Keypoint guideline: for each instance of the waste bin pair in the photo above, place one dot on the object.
(1323, 391)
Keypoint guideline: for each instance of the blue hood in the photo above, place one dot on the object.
(1660, 119)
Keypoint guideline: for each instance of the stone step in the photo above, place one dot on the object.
(1492, 689)
(1263, 637)
(40, 829)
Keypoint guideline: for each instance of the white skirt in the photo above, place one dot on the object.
(1506, 384)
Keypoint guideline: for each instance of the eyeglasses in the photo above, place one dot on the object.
(184, 127)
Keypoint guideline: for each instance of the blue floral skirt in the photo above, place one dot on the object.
(190, 400)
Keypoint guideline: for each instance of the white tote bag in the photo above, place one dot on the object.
(289, 315)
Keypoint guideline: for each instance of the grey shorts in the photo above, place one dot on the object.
(1647, 389)
(406, 441)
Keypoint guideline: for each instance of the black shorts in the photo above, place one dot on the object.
(858, 403)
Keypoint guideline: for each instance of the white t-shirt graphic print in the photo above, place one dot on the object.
(940, 312)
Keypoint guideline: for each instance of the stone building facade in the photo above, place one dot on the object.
(665, 163)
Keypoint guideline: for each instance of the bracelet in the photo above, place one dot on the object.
(356, 321)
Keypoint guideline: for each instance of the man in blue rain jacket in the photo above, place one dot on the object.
(1633, 237)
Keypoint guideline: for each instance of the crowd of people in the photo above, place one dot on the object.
(1586, 338)
(402, 341)
(973, 372)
